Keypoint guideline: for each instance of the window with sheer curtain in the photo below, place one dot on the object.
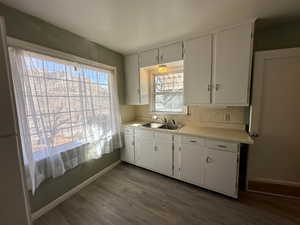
(68, 112)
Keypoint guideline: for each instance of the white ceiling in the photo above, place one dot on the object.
(128, 25)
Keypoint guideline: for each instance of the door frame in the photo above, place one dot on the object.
(257, 91)
(258, 81)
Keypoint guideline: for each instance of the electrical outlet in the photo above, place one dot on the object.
(227, 116)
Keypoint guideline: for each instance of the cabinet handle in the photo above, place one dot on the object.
(217, 87)
(157, 59)
(222, 146)
(193, 141)
(161, 58)
(155, 148)
(208, 159)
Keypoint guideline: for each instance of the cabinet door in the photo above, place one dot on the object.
(144, 149)
(192, 160)
(197, 70)
(170, 53)
(221, 171)
(149, 58)
(163, 153)
(132, 79)
(127, 153)
(232, 66)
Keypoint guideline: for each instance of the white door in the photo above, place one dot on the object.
(132, 79)
(144, 149)
(163, 153)
(191, 160)
(275, 157)
(221, 171)
(127, 153)
(170, 53)
(149, 58)
(197, 70)
(232, 65)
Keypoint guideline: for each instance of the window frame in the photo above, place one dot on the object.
(153, 73)
(59, 55)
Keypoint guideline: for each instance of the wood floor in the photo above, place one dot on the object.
(131, 195)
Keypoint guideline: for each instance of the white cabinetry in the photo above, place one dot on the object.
(154, 151)
(222, 167)
(137, 86)
(203, 162)
(229, 53)
(164, 54)
(149, 58)
(127, 153)
(191, 164)
(170, 53)
(144, 149)
(197, 70)
(163, 153)
(232, 65)
(132, 79)
(210, 164)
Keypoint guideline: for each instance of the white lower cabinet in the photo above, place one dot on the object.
(203, 162)
(163, 150)
(128, 152)
(221, 171)
(154, 151)
(191, 158)
(144, 149)
(210, 164)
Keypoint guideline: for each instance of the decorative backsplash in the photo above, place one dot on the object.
(230, 117)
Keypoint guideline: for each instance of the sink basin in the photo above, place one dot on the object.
(160, 126)
(153, 125)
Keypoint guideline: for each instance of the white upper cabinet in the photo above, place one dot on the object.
(149, 58)
(232, 65)
(137, 82)
(197, 70)
(170, 53)
(132, 79)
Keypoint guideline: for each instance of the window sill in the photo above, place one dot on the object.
(41, 154)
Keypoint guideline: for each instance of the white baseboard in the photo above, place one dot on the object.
(71, 192)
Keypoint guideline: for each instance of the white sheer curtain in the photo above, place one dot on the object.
(68, 113)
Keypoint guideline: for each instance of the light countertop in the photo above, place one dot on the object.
(233, 135)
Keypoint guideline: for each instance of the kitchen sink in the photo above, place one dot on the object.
(160, 126)
(153, 125)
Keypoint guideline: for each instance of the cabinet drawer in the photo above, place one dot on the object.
(220, 145)
(192, 140)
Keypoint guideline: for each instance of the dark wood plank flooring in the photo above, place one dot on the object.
(131, 195)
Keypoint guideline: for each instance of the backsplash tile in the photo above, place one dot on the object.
(203, 116)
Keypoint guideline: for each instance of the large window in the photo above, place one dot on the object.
(68, 112)
(66, 104)
(167, 93)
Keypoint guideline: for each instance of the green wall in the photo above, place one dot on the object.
(276, 35)
(34, 30)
